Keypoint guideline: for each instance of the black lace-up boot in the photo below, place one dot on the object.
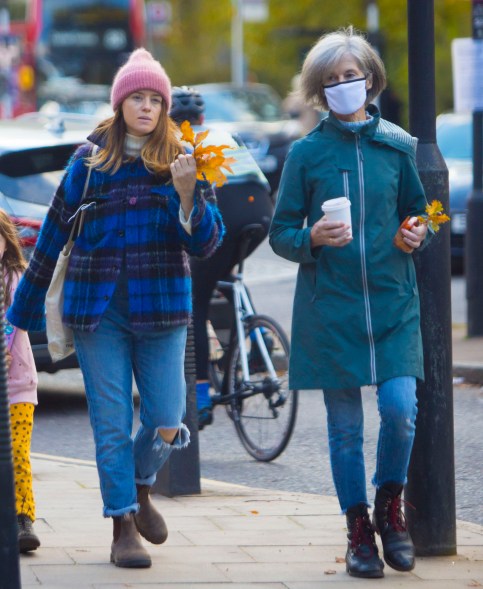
(390, 523)
(362, 558)
(27, 538)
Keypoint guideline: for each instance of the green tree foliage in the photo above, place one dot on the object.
(198, 48)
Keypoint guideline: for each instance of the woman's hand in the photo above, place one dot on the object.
(415, 235)
(333, 233)
(183, 171)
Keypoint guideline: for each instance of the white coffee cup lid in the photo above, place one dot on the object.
(336, 203)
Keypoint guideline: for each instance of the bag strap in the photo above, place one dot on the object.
(78, 216)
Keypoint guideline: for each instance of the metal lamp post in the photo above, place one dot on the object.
(237, 64)
(431, 478)
(474, 235)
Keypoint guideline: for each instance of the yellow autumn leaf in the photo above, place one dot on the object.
(188, 134)
(209, 158)
(434, 216)
(434, 208)
(201, 136)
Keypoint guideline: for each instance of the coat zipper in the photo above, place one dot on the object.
(345, 179)
(365, 287)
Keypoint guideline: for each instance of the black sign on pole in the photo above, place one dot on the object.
(181, 473)
(431, 479)
(474, 235)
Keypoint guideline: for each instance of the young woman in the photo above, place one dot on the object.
(356, 310)
(128, 290)
(22, 388)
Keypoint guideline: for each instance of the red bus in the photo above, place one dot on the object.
(85, 40)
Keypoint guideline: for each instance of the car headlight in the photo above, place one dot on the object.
(458, 223)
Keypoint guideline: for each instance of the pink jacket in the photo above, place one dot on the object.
(22, 375)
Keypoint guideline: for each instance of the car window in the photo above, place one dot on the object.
(36, 188)
(32, 175)
(233, 105)
(455, 139)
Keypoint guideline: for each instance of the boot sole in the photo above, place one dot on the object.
(368, 575)
(132, 564)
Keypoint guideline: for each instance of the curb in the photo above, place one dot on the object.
(472, 372)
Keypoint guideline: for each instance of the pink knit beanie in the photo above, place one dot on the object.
(140, 72)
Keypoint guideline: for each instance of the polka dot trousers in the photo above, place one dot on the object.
(21, 424)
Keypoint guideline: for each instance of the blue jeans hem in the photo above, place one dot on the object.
(133, 508)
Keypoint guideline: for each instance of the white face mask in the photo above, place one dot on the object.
(346, 98)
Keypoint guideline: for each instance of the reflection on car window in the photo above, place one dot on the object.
(241, 105)
(36, 188)
(455, 140)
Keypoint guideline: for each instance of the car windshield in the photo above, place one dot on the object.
(455, 139)
(32, 175)
(36, 188)
(233, 104)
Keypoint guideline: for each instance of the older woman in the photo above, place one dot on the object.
(356, 311)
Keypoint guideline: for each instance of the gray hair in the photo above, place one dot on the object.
(327, 52)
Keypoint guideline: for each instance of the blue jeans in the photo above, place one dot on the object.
(108, 357)
(397, 404)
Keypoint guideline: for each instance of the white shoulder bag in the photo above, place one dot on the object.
(60, 338)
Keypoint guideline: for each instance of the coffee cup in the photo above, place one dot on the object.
(338, 209)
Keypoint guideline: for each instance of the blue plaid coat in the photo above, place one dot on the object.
(134, 221)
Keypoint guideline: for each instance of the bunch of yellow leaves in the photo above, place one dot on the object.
(434, 216)
(209, 158)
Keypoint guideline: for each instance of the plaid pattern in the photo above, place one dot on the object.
(134, 221)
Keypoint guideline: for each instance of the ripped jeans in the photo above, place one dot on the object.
(397, 404)
(108, 357)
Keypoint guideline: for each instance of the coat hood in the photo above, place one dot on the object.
(379, 130)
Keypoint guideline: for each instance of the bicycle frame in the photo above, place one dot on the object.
(243, 311)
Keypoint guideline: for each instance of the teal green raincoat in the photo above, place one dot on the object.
(356, 309)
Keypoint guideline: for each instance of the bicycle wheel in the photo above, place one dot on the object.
(263, 409)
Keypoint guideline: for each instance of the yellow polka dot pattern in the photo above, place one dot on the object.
(21, 424)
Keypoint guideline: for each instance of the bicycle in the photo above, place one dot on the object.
(248, 365)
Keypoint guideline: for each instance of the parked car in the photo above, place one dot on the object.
(34, 151)
(254, 113)
(454, 133)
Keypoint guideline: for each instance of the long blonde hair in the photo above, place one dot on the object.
(159, 151)
(13, 261)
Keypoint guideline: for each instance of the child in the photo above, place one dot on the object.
(22, 388)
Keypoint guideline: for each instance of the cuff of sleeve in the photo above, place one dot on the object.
(198, 208)
(185, 223)
(35, 322)
(309, 254)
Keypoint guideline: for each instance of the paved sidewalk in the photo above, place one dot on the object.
(229, 537)
(467, 355)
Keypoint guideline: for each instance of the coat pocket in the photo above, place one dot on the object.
(100, 222)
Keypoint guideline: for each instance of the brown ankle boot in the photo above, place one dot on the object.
(126, 548)
(149, 522)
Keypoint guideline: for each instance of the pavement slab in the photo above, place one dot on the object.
(229, 536)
